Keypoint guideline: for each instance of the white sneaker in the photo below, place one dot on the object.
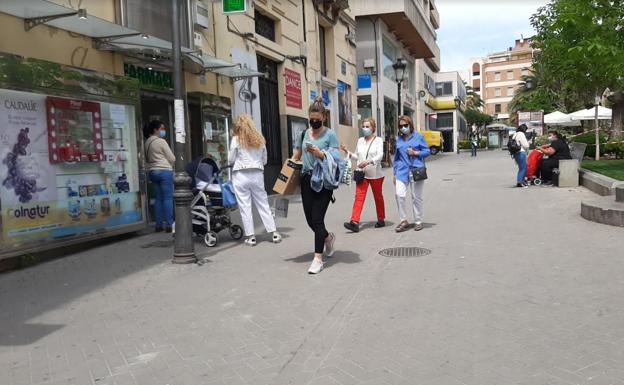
(251, 241)
(329, 244)
(315, 267)
(277, 237)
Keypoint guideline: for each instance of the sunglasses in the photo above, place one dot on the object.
(403, 125)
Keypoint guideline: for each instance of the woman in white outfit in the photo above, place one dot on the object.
(248, 155)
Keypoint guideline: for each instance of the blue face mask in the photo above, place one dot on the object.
(162, 133)
(367, 131)
(405, 130)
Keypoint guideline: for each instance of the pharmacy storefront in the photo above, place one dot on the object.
(69, 155)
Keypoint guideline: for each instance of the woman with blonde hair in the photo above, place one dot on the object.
(247, 156)
(368, 155)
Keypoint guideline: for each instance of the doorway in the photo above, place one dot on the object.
(270, 118)
(447, 136)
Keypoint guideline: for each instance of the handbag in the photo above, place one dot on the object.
(419, 173)
(227, 194)
(358, 175)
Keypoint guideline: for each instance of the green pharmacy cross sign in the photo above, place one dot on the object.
(234, 6)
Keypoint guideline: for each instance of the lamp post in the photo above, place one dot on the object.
(596, 104)
(399, 72)
(183, 248)
(457, 101)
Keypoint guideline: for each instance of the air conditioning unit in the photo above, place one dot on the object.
(201, 16)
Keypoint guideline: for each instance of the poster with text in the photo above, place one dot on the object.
(26, 175)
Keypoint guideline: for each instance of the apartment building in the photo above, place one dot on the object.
(446, 99)
(498, 76)
(387, 31)
(81, 78)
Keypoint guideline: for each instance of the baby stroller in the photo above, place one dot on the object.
(208, 212)
(534, 161)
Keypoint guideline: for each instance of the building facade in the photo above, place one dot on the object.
(77, 85)
(446, 100)
(387, 31)
(498, 76)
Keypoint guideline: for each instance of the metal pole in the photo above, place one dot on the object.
(400, 109)
(597, 131)
(183, 248)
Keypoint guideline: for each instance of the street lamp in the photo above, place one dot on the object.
(399, 74)
(183, 248)
(457, 101)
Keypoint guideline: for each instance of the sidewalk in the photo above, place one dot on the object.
(518, 289)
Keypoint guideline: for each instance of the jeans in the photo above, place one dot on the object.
(163, 184)
(521, 160)
(417, 199)
(360, 196)
(473, 150)
(315, 206)
(249, 187)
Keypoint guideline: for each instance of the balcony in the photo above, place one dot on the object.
(435, 18)
(406, 19)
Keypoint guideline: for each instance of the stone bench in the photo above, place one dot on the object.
(568, 173)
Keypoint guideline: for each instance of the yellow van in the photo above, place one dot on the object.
(434, 140)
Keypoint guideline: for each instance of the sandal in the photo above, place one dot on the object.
(251, 241)
(402, 227)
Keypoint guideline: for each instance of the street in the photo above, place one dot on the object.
(517, 289)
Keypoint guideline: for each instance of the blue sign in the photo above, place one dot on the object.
(364, 81)
(324, 94)
(312, 95)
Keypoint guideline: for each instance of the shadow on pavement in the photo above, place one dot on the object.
(339, 257)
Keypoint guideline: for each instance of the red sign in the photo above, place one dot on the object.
(293, 88)
(74, 130)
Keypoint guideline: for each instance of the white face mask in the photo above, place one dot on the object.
(367, 131)
(405, 130)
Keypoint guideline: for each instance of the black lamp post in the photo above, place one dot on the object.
(457, 101)
(399, 73)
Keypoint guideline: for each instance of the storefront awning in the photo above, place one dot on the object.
(114, 37)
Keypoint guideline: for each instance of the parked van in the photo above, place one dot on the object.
(434, 140)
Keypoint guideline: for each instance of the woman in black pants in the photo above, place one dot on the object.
(310, 147)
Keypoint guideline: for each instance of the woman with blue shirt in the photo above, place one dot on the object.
(314, 144)
(411, 151)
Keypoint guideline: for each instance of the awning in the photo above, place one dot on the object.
(558, 118)
(114, 37)
(604, 113)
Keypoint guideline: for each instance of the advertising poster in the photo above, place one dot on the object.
(293, 88)
(344, 103)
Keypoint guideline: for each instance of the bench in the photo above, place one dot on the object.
(568, 172)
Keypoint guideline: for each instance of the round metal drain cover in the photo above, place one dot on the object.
(404, 252)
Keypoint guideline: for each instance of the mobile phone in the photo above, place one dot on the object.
(309, 144)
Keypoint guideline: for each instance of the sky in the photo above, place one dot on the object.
(473, 28)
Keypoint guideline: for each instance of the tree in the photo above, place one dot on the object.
(473, 99)
(581, 45)
(474, 116)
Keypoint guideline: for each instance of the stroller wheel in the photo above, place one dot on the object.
(537, 181)
(210, 239)
(236, 232)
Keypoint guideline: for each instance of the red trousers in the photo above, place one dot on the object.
(360, 196)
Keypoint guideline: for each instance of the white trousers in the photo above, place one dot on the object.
(249, 186)
(417, 199)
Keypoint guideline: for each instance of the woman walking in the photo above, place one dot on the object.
(368, 155)
(160, 161)
(521, 156)
(411, 151)
(313, 145)
(248, 155)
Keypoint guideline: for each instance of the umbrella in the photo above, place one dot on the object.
(604, 113)
(558, 118)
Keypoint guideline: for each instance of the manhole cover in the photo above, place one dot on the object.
(404, 252)
(447, 180)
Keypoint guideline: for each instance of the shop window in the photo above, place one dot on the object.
(445, 120)
(444, 88)
(389, 58)
(265, 26)
(153, 17)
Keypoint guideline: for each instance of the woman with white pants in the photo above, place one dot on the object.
(247, 156)
(411, 151)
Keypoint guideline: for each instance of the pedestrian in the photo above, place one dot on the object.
(474, 143)
(313, 145)
(521, 156)
(556, 149)
(159, 161)
(368, 155)
(411, 151)
(247, 156)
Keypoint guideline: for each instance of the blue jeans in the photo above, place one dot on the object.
(473, 149)
(163, 184)
(521, 160)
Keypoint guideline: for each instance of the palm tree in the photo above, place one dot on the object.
(473, 99)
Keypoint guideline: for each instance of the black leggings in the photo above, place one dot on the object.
(315, 206)
(547, 167)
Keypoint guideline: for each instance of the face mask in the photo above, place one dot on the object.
(367, 131)
(162, 133)
(405, 130)
(314, 123)
(551, 138)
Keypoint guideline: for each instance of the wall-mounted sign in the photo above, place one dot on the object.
(293, 88)
(343, 68)
(149, 78)
(364, 81)
(234, 6)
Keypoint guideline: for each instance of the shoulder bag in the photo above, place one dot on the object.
(418, 173)
(358, 175)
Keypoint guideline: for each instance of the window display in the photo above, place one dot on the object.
(68, 168)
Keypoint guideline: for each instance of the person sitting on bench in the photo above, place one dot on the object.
(556, 150)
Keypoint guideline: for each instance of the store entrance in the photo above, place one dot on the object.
(447, 137)
(269, 114)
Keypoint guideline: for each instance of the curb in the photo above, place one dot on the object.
(603, 210)
(598, 183)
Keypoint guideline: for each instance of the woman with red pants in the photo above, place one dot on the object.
(368, 156)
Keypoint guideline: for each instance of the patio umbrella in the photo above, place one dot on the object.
(604, 113)
(558, 118)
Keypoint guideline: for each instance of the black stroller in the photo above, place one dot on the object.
(209, 216)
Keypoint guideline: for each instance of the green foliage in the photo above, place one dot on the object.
(614, 148)
(590, 139)
(610, 168)
(474, 116)
(465, 144)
